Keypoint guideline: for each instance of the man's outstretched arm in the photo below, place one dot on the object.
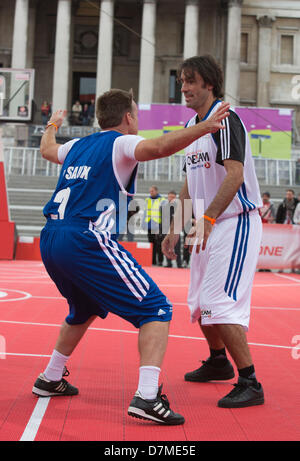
(170, 143)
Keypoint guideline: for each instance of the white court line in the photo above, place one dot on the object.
(257, 307)
(49, 297)
(255, 285)
(23, 354)
(288, 277)
(136, 332)
(276, 285)
(26, 295)
(39, 411)
(50, 282)
(61, 298)
(35, 420)
(185, 304)
(20, 279)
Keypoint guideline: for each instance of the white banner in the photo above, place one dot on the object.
(280, 247)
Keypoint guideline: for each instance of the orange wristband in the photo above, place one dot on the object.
(211, 220)
(52, 124)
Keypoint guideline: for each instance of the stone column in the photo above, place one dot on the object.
(62, 56)
(232, 70)
(264, 59)
(19, 53)
(191, 29)
(20, 35)
(105, 49)
(31, 35)
(147, 59)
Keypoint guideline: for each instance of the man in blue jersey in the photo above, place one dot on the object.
(220, 172)
(81, 253)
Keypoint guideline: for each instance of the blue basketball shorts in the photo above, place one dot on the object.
(97, 276)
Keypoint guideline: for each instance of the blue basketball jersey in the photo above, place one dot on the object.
(87, 188)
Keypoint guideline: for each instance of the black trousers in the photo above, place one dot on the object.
(157, 255)
(177, 250)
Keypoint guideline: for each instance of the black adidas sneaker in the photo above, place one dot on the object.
(246, 393)
(157, 410)
(45, 388)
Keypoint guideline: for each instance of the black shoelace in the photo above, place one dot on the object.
(164, 399)
(238, 388)
(66, 371)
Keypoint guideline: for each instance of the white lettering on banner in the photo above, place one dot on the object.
(280, 247)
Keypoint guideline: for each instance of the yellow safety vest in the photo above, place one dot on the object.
(153, 209)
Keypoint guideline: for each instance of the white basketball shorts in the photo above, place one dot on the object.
(221, 276)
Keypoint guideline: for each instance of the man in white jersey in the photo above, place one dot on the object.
(80, 251)
(220, 175)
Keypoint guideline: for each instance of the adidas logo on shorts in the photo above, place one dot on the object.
(161, 312)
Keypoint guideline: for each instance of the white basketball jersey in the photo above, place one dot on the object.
(205, 168)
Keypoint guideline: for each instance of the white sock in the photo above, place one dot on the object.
(55, 368)
(148, 382)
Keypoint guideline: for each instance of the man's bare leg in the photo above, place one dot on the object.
(248, 391)
(152, 344)
(148, 402)
(212, 336)
(234, 338)
(68, 338)
(50, 383)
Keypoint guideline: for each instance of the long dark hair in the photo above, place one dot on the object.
(208, 68)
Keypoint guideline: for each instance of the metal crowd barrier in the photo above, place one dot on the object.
(28, 161)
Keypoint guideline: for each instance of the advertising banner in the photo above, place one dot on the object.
(280, 247)
(269, 129)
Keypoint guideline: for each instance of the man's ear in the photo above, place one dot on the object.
(127, 118)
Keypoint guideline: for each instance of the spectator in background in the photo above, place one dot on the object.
(296, 216)
(297, 176)
(287, 208)
(167, 212)
(91, 112)
(129, 230)
(85, 115)
(76, 113)
(186, 251)
(45, 112)
(267, 211)
(152, 222)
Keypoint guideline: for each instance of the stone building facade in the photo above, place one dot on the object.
(80, 48)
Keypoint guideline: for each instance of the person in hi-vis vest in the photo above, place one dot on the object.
(152, 221)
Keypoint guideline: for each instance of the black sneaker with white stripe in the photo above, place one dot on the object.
(45, 388)
(157, 410)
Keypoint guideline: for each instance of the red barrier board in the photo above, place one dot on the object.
(7, 228)
(28, 248)
(3, 196)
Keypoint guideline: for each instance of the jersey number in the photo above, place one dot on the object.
(62, 197)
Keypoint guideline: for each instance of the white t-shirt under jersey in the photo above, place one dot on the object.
(123, 157)
(204, 166)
